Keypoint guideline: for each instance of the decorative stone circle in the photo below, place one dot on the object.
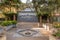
(27, 32)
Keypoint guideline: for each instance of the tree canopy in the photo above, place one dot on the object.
(46, 6)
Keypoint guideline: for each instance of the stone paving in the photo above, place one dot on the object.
(27, 21)
(27, 25)
(44, 37)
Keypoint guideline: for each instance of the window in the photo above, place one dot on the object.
(56, 19)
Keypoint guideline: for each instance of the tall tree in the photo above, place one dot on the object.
(11, 7)
(43, 7)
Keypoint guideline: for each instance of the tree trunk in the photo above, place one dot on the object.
(40, 19)
(6, 19)
(47, 20)
(40, 22)
(14, 17)
(9, 18)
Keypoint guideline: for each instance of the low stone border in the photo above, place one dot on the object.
(9, 27)
(2, 32)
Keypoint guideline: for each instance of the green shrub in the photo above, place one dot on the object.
(0, 23)
(57, 34)
(14, 22)
(57, 26)
(7, 23)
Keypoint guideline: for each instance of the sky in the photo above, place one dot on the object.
(24, 1)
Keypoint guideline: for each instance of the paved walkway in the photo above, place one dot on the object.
(13, 31)
(27, 19)
(27, 25)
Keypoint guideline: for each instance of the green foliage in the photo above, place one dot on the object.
(14, 22)
(57, 26)
(7, 23)
(47, 7)
(0, 22)
(15, 1)
(10, 13)
(57, 34)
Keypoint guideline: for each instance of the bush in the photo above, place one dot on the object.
(4, 23)
(7, 23)
(57, 26)
(57, 34)
(14, 22)
(0, 22)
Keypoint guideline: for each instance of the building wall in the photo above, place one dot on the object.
(1, 1)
